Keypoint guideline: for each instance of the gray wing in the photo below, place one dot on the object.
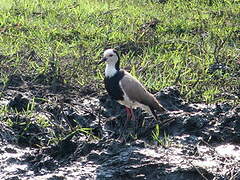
(133, 88)
(137, 92)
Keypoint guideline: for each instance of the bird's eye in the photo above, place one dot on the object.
(110, 55)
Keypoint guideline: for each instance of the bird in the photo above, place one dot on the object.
(126, 89)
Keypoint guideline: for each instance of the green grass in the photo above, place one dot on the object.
(162, 140)
(67, 37)
(37, 130)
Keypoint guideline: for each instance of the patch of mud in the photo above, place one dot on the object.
(77, 133)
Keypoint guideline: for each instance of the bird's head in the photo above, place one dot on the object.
(110, 56)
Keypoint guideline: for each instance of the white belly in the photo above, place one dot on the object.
(133, 104)
(129, 104)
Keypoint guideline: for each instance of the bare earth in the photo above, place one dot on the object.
(201, 141)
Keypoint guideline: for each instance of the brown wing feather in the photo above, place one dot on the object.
(137, 92)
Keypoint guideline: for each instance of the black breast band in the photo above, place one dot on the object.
(113, 87)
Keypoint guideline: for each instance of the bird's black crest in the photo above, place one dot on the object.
(117, 65)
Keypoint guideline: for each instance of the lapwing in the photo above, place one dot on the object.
(126, 89)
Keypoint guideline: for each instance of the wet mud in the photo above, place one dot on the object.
(60, 132)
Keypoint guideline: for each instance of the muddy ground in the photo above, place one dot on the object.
(60, 132)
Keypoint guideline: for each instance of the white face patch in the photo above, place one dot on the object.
(111, 56)
(112, 59)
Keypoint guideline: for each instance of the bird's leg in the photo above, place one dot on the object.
(128, 113)
(132, 113)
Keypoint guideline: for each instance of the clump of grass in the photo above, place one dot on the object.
(36, 129)
(160, 140)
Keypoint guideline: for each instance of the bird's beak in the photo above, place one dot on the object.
(102, 60)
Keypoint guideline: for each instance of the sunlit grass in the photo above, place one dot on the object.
(68, 37)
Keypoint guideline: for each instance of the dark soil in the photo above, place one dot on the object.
(60, 132)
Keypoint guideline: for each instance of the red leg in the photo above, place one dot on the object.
(132, 113)
(128, 113)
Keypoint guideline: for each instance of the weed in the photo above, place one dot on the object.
(162, 141)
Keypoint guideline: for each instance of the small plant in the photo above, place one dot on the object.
(42, 121)
(69, 136)
(162, 141)
(209, 95)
